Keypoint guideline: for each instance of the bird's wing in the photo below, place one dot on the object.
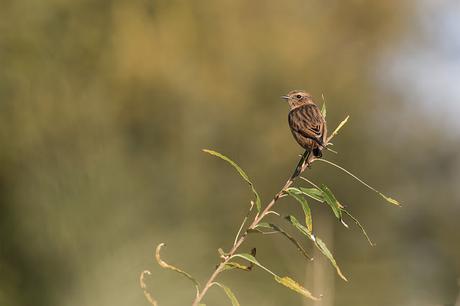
(308, 122)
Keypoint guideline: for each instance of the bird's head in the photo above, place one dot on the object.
(297, 98)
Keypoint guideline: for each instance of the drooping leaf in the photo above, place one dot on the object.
(337, 129)
(230, 294)
(241, 172)
(285, 281)
(360, 226)
(293, 220)
(293, 285)
(323, 248)
(285, 234)
(306, 209)
(323, 195)
(313, 193)
(318, 243)
(143, 285)
(332, 202)
(388, 199)
(165, 265)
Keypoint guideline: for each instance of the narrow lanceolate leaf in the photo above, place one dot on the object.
(323, 248)
(337, 129)
(241, 172)
(147, 294)
(318, 243)
(293, 220)
(306, 209)
(293, 285)
(313, 193)
(229, 293)
(388, 199)
(323, 110)
(278, 229)
(360, 226)
(165, 265)
(285, 281)
(333, 203)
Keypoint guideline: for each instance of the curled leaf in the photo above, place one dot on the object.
(241, 172)
(229, 293)
(165, 265)
(147, 295)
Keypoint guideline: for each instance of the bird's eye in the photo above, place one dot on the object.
(298, 96)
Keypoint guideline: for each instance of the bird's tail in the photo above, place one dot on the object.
(317, 152)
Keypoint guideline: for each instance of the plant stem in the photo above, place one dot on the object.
(301, 166)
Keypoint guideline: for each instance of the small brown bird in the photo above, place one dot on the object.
(307, 124)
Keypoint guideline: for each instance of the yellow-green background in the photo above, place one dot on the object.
(106, 105)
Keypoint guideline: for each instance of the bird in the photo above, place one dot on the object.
(307, 123)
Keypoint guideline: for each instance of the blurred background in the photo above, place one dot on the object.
(106, 105)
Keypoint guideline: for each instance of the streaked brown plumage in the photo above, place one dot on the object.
(306, 122)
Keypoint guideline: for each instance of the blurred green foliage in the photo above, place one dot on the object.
(106, 105)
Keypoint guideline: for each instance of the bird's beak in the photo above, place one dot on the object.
(285, 97)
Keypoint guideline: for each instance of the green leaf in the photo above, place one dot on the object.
(285, 281)
(324, 196)
(360, 226)
(306, 209)
(229, 293)
(332, 202)
(318, 243)
(285, 234)
(313, 193)
(323, 248)
(299, 227)
(165, 265)
(323, 110)
(241, 172)
(293, 285)
(388, 199)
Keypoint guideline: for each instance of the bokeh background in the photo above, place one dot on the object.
(106, 105)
